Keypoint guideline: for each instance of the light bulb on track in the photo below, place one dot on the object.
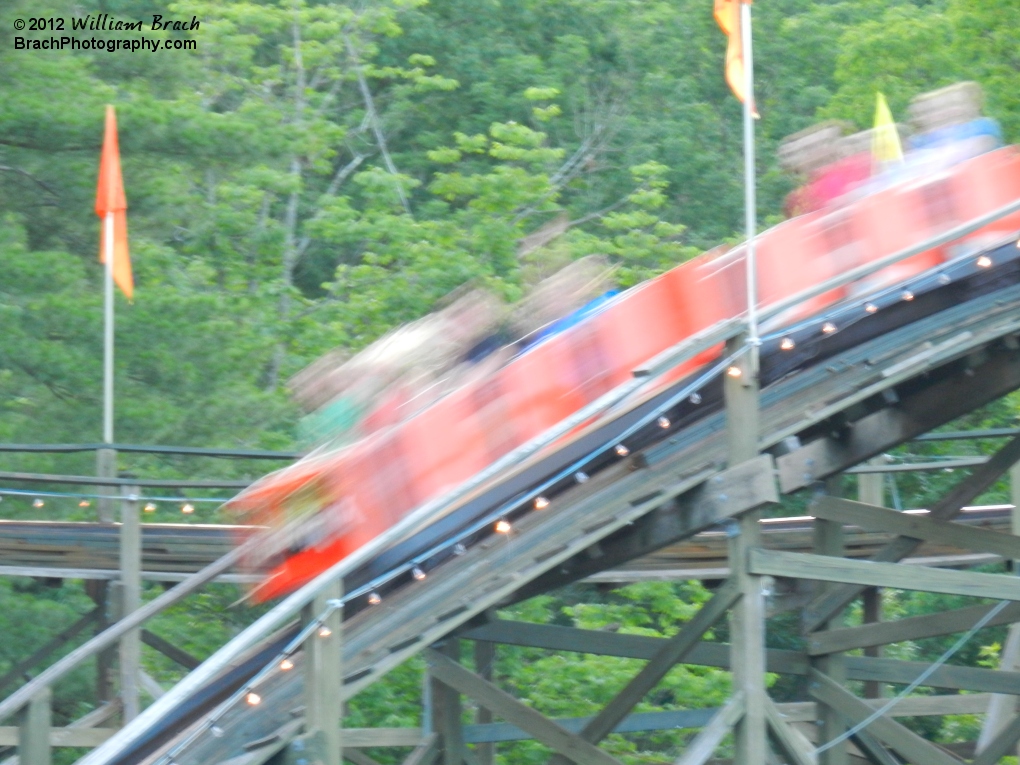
(695, 398)
(580, 476)
(84, 503)
(187, 508)
(325, 631)
(502, 527)
(787, 344)
(871, 308)
(984, 262)
(541, 503)
(459, 549)
(663, 422)
(150, 507)
(621, 450)
(907, 295)
(374, 599)
(38, 502)
(734, 371)
(286, 665)
(417, 573)
(828, 328)
(253, 699)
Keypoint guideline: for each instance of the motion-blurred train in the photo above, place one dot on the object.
(334, 501)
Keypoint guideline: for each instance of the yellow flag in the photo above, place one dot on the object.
(885, 140)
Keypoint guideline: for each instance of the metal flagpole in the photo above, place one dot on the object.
(108, 332)
(106, 459)
(750, 201)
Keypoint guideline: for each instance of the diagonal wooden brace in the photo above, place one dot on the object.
(824, 607)
(575, 748)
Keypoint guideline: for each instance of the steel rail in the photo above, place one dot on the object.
(196, 451)
(91, 480)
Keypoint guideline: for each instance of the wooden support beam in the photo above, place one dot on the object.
(447, 710)
(150, 685)
(131, 600)
(795, 712)
(793, 744)
(717, 655)
(915, 526)
(1003, 744)
(99, 592)
(871, 491)
(872, 614)
(485, 657)
(169, 650)
(828, 541)
(34, 732)
(826, 569)
(68, 633)
(1003, 709)
(983, 478)
(672, 652)
(946, 676)
(709, 738)
(910, 628)
(747, 619)
(904, 741)
(358, 757)
(324, 676)
(95, 718)
(67, 736)
(873, 749)
(425, 753)
(510, 709)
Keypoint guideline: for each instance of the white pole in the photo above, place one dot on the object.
(108, 332)
(749, 190)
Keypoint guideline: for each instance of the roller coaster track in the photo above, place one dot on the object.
(170, 552)
(832, 403)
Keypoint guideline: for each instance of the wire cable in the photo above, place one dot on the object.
(918, 681)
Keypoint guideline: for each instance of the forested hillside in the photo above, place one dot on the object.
(315, 173)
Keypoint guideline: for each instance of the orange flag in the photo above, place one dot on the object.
(110, 199)
(727, 16)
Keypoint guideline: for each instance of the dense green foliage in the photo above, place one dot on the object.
(317, 172)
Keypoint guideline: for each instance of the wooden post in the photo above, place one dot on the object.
(446, 712)
(99, 590)
(871, 490)
(131, 600)
(106, 467)
(324, 678)
(1002, 708)
(748, 615)
(829, 541)
(34, 731)
(485, 656)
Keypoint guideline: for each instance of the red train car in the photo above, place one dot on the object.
(327, 505)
